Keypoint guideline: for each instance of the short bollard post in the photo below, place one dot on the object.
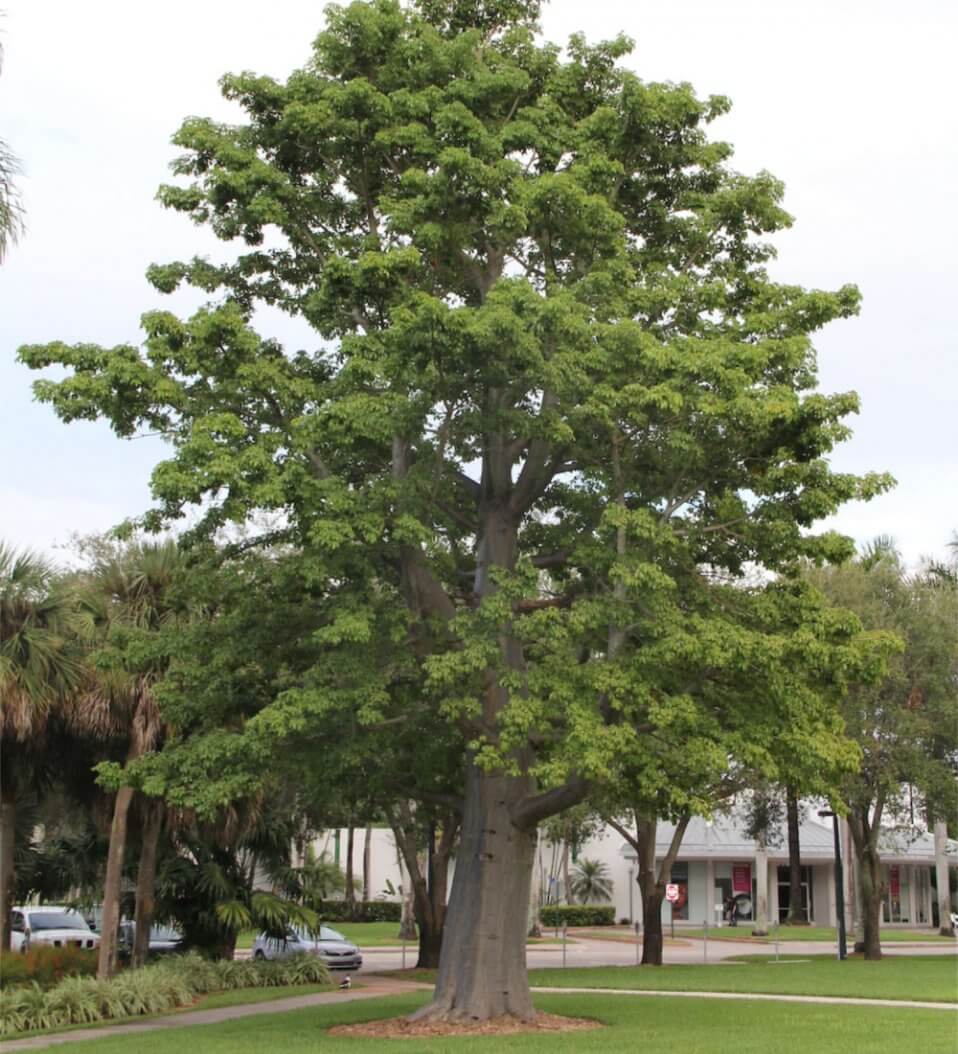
(705, 942)
(637, 928)
(565, 930)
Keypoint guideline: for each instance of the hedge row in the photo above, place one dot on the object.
(559, 915)
(155, 989)
(360, 911)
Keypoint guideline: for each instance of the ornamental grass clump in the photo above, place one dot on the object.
(74, 1001)
(202, 975)
(306, 969)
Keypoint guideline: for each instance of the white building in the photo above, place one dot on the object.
(716, 860)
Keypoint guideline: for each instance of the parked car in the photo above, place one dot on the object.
(164, 940)
(329, 944)
(47, 924)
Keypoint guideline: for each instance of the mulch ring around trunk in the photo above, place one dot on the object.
(403, 1028)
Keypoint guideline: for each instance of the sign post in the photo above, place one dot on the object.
(672, 895)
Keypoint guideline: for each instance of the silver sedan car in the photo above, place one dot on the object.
(329, 944)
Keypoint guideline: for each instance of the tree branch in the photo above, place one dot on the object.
(530, 811)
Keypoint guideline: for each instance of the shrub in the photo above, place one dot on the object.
(46, 965)
(360, 911)
(306, 969)
(559, 915)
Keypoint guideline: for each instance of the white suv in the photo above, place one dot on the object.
(59, 927)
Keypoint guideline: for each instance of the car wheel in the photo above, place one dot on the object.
(259, 955)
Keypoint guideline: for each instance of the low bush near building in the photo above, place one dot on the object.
(152, 990)
(559, 915)
(360, 911)
(45, 965)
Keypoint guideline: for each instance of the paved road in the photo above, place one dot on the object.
(590, 952)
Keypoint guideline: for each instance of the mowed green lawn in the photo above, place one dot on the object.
(932, 978)
(652, 1025)
(811, 933)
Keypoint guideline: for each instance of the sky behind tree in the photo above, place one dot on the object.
(850, 102)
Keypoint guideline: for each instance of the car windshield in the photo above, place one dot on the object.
(327, 933)
(164, 933)
(56, 920)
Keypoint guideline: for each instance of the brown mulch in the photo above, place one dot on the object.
(403, 1028)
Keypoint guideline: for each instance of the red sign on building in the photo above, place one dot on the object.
(741, 878)
(894, 880)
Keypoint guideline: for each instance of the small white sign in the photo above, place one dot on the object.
(671, 893)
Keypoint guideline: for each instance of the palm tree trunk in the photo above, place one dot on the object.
(350, 840)
(367, 864)
(534, 928)
(945, 928)
(8, 816)
(146, 880)
(566, 880)
(106, 963)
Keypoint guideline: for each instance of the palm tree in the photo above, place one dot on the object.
(591, 882)
(131, 595)
(11, 207)
(40, 667)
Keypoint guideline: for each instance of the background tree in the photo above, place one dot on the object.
(554, 347)
(11, 206)
(591, 882)
(132, 591)
(41, 666)
(906, 725)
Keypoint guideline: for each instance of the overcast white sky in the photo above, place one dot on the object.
(851, 102)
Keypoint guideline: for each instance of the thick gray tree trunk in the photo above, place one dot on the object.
(8, 817)
(482, 967)
(153, 811)
(109, 931)
(945, 927)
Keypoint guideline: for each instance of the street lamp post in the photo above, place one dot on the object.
(839, 885)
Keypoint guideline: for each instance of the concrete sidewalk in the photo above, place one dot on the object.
(765, 997)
